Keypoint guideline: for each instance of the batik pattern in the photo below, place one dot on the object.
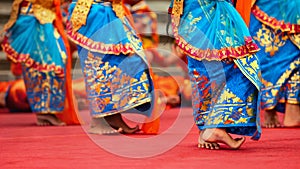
(275, 27)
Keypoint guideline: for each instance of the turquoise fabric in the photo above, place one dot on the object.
(208, 24)
(103, 26)
(283, 10)
(41, 42)
(225, 92)
(116, 81)
(45, 91)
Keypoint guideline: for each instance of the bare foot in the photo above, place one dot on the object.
(216, 135)
(49, 119)
(173, 100)
(100, 126)
(207, 145)
(292, 115)
(271, 119)
(116, 121)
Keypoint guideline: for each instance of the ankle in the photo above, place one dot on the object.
(212, 134)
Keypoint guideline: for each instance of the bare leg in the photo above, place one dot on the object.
(292, 115)
(2, 99)
(116, 121)
(271, 119)
(100, 126)
(48, 119)
(216, 135)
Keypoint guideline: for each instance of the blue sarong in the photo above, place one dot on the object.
(116, 72)
(275, 25)
(223, 67)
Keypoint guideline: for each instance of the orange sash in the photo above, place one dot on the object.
(69, 115)
(244, 8)
(152, 124)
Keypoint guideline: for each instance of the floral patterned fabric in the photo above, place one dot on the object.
(111, 55)
(277, 34)
(223, 67)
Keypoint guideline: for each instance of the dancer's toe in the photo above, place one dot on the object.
(271, 119)
(207, 145)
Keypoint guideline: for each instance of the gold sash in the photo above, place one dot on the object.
(177, 11)
(80, 13)
(82, 10)
(44, 11)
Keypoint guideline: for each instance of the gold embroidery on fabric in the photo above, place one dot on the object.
(217, 108)
(42, 14)
(294, 88)
(112, 81)
(44, 102)
(177, 11)
(271, 40)
(227, 95)
(274, 89)
(287, 73)
(177, 7)
(80, 13)
(266, 83)
(225, 111)
(195, 20)
(251, 69)
(43, 10)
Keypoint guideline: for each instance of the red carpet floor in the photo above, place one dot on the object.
(24, 145)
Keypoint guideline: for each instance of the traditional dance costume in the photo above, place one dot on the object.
(34, 37)
(111, 55)
(222, 64)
